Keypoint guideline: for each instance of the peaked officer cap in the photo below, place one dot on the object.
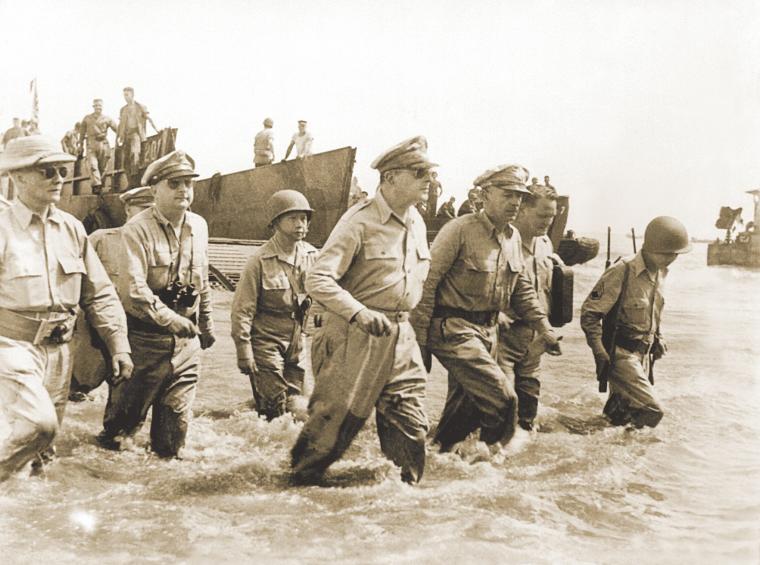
(140, 196)
(171, 166)
(508, 177)
(409, 154)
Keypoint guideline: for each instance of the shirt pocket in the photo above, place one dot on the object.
(72, 269)
(377, 252)
(479, 280)
(26, 282)
(158, 272)
(423, 262)
(637, 315)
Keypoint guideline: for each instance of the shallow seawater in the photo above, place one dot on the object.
(575, 492)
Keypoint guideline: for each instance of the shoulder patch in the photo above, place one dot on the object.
(597, 292)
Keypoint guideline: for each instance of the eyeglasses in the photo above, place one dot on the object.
(174, 184)
(50, 172)
(418, 173)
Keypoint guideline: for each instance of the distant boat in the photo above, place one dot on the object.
(740, 249)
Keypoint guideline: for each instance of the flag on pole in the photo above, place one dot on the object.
(35, 101)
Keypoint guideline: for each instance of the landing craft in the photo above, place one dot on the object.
(740, 249)
(233, 204)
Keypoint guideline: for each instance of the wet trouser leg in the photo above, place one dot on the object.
(172, 408)
(279, 375)
(631, 394)
(28, 417)
(520, 353)
(165, 373)
(401, 420)
(477, 385)
(354, 372)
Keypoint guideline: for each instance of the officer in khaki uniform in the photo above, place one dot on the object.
(368, 277)
(163, 284)
(520, 348)
(270, 306)
(635, 283)
(91, 359)
(94, 129)
(48, 269)
(476, 270)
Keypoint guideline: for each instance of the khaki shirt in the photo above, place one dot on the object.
(108, 246)
(478, 269)
(132, 118)
(640, 309)
(263, 143)
(94, 128)
(50, 265)
(264, 285)
(151, 259)
(538, 268)
(372, 259)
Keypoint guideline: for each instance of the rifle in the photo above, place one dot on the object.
(607, 263)
(610, 324)
(633, 239)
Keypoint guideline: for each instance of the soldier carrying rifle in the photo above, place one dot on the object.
(621, 320)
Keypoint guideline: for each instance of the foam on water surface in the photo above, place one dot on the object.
(575, 491)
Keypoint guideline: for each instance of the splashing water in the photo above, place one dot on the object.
(577, 491)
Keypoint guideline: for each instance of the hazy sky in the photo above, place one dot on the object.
(635, 108)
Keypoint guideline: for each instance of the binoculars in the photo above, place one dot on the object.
(177, 295)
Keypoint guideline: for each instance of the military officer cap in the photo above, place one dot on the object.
(140, 196)
(409, 154)
(508, 177)
(171, 166)
(31, 151)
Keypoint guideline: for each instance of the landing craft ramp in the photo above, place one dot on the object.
(234, 205)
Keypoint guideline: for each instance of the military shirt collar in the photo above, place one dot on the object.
(385, 210)
(639, 266)
(161, 219)
(491, 229)
(24, 214)
(272, 249)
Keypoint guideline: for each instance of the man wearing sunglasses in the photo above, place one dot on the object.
(163, 284)
(48, 270)
(476, 269)
(368, 277)
(94, 129)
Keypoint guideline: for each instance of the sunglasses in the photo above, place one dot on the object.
(418, 173)
(50, 172)
(174, 184)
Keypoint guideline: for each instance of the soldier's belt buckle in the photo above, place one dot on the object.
(45, 330)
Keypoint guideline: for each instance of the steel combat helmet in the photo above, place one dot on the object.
(284, 201)
(665, 234)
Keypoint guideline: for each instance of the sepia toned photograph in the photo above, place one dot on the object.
(380, 282)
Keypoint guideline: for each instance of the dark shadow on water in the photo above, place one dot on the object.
(574, 425)
(226, 413)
